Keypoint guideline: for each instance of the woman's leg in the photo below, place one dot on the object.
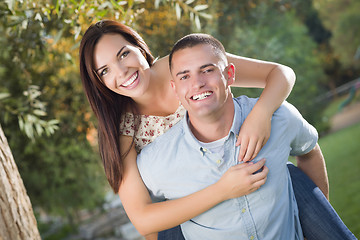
(318, 218)
(171, 234)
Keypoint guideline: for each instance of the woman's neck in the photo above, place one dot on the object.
(159, 99)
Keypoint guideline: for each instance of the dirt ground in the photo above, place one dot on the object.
(348, 116)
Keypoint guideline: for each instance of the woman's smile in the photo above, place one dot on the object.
(132, 82)
(127, 71)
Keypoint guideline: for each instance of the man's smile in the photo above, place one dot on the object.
(201, 96)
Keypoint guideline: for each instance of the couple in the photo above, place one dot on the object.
(131, 96)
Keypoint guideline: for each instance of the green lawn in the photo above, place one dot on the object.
(342, 155)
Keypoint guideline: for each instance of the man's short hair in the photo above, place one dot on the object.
(195, 39)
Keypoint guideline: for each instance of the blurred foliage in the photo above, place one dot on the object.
(39, 76)
(40, 83)
(342, 18)
(274, 32)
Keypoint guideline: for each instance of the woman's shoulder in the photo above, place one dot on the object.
(160, 68)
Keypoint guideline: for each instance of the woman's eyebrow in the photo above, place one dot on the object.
(117, 55)
(119, 52)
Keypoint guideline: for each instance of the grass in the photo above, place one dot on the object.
(333, 107)
(342, 155)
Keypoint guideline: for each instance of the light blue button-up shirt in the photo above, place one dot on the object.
(176, 165)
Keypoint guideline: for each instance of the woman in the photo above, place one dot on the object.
(131, 96)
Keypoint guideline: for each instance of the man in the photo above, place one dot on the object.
(197, 151)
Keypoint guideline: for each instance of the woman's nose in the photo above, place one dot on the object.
(121, 73)
(121, 70)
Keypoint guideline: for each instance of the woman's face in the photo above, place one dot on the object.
(121, 66)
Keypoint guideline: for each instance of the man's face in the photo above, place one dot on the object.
(201, 80)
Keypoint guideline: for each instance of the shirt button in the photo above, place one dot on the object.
(218, 161)
(244, 210)
(252, 237)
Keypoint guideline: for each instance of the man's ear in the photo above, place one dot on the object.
(230, 74)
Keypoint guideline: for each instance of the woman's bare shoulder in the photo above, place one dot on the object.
(161, 68)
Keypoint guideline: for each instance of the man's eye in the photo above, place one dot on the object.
(184, 77)
(104, 72)
(208, 70)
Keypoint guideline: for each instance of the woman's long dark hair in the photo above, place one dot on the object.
(107, 105)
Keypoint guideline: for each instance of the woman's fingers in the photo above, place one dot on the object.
(243, 147)
(258, 147)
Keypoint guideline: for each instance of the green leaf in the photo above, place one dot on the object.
(4, 95)
(122, 3)
(197, 22)
(21, 123)
(205, 15)
(81, 3)
(77, 31)
(189, 2)
(39, 112)
(29, 131)
(53, 122)
(38, 17)
(58, 36)
(200, 7)
(178, 11)
(57, 8)
(10, 4)
(191, 16)
(75, 46)
(157, 3)
(39, 129)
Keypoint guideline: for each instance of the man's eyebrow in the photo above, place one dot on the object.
(182, 72)
(207, 65)
(202, 67)
(117, 55)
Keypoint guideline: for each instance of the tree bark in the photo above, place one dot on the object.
(17, 220)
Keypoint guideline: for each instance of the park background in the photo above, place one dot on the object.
(52, 131)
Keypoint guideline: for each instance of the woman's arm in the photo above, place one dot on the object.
(150, 217)
(277, 81)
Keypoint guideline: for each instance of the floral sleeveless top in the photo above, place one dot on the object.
(150, 127)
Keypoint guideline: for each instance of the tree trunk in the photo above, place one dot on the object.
(17, 220)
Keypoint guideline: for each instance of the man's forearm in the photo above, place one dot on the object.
(313, 165)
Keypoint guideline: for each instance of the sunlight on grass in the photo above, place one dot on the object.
(342, 155)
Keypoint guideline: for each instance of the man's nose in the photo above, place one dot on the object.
(198, 82)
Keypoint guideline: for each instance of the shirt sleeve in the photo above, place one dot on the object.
(146, 170)
(305, 135)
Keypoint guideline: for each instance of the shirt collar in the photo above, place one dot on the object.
(235, 127)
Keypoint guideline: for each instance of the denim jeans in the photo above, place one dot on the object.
(319, 220)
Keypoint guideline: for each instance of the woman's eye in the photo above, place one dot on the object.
(104, 72)
(124, 54)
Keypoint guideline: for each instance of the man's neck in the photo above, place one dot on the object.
(216, 126)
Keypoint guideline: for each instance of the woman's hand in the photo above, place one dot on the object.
(242, 179)
(254, 133)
